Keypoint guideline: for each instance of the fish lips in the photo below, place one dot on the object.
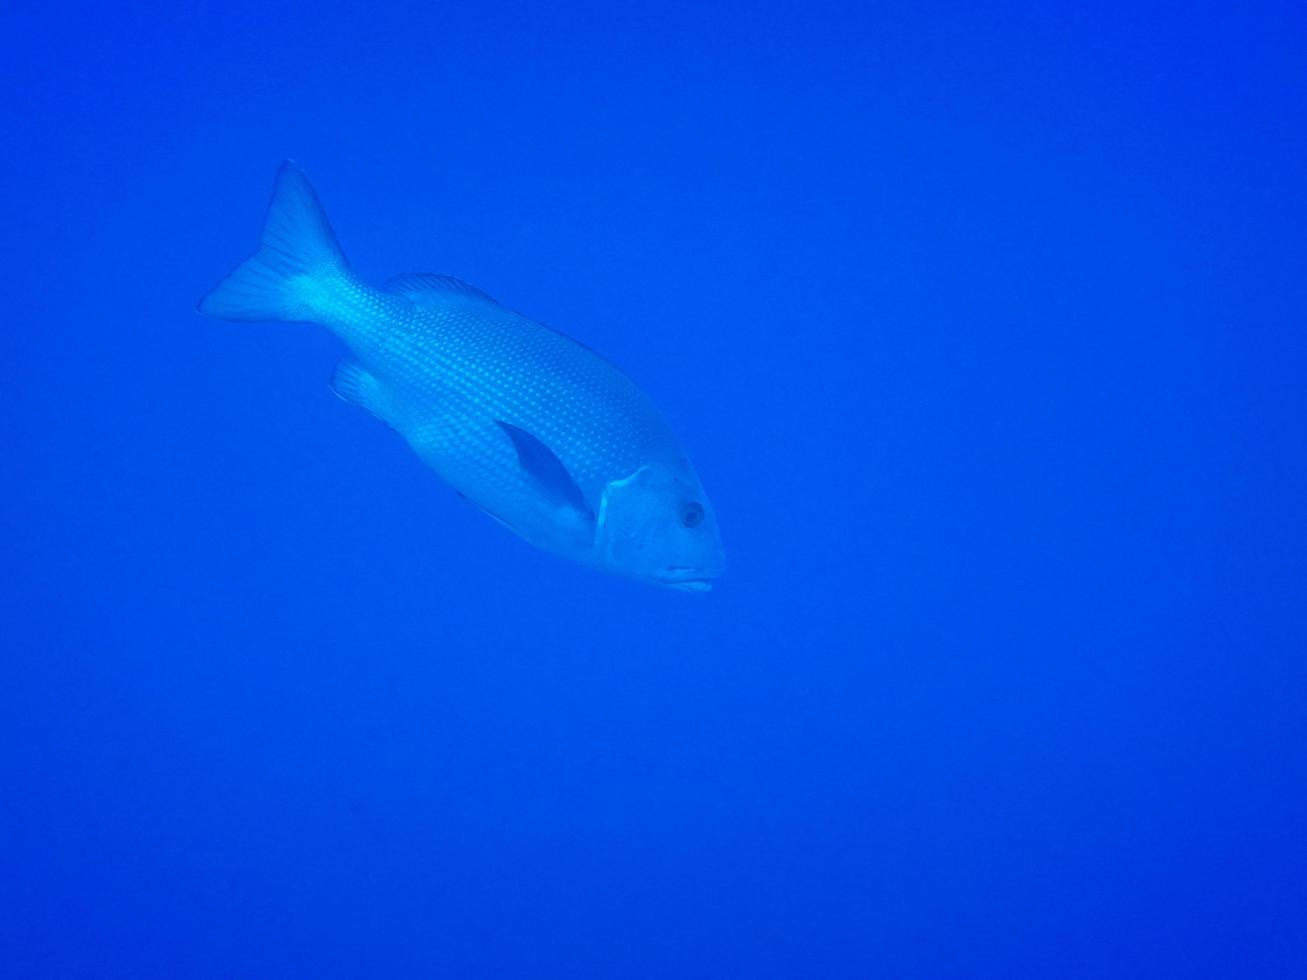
(691, 585)
(687, 579)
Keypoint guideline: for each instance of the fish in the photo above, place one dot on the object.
(531, 426)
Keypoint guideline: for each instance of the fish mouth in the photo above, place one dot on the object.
(687, 579)
(690, 585)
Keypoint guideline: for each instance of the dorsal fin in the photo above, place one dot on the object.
(427, 288)
(546, 470)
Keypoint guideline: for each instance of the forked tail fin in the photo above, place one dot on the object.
(298, 251)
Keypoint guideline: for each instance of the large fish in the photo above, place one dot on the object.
(528, 424)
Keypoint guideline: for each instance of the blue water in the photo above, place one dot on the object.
(986, 333)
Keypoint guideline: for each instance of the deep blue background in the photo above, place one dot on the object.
(986, 332)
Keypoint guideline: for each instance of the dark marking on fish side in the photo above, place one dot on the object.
(546, 470)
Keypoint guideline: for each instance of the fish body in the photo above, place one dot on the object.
(531, 426)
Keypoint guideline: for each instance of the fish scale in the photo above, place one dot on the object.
(463, 367)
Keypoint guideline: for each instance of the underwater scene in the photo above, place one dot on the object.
(654, 491)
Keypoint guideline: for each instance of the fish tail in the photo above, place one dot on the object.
(298, 255)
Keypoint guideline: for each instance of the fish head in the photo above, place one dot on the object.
(657, 525)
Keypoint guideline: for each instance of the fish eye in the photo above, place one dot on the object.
(692, 514)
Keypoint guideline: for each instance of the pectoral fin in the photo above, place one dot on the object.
(543, 467)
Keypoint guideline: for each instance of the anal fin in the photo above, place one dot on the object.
(357, 385)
